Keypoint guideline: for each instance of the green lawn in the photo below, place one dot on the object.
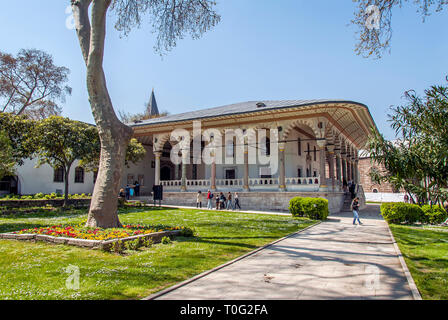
(37, 270)
(425, 250)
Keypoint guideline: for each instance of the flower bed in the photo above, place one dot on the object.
(80, 232)
(98, 238)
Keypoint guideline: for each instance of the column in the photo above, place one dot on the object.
(157, 155)
(344, 168)
(246, 168)
(184, 171)
(281, 149)
(331, 165)
(338, 167)
(356, 171)
(349, 174)
(213, 171)
(323, 184)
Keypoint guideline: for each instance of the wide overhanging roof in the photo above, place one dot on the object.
(353, 119)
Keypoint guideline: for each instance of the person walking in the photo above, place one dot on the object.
(199, 200)
(229, 202)
(128, 192)
(209, 200)
(222, 200)
(137, 189)
(355, 208)
(217, 201)
(237, 201)
(131, 191)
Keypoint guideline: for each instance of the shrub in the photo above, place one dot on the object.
(295, 207)
(39, 195)
(313, 208)
(187, 232)
(401, 213)
(166, 240)
(434, 214)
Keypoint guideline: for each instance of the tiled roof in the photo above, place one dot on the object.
(237, 108)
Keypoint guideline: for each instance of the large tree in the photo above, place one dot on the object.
(374, 21)
(32, 84)
(171, 19)
(418, 161)
(61, 141)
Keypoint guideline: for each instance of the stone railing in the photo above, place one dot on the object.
(229, 183)
(198, 183)
(302, 181)
(171, 184)
(266, 182)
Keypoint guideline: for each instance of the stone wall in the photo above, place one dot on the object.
(260, 201)
(365, 166)
(42, 203)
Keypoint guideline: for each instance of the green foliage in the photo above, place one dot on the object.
(401, 212)
(7, 162)
(41, 196)
(187, 232)
(313, 208)
(418, 160)
(134, 153)
(18, 130)
(434, 214)
(61, 141)
(166, 240)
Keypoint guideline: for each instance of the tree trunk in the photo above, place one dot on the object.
(114, 135)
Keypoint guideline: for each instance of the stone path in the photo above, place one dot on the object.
(333, 260)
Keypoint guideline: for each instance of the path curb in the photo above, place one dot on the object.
(412, 285)
(201, 275)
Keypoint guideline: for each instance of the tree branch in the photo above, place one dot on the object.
(80, 10)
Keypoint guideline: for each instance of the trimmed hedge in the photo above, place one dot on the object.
(399, 213)
(41, 196)
(313, 208)
(434, 215)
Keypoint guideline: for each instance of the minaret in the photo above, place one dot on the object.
(151, 108)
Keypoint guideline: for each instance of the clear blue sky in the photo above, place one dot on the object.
(261, 50)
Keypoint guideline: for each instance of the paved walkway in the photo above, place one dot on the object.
(333, 260)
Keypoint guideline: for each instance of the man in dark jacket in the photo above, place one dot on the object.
(355, 208)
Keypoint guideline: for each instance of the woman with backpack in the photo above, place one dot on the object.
(209, 200)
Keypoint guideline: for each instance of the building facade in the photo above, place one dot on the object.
(316, 150)
(31, 180)
(374, 191)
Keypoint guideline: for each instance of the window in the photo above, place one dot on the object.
(266, 148)
(130, 180)
(141, 179)
(299, 146)
(95, 175)
(299, 172)
(229, 149)
(195, 171)
(375, 190)
(315, 153)
(58, 175)
(79, 175)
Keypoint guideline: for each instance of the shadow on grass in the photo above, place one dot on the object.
(11, 227)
